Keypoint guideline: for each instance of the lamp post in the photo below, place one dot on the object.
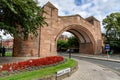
(70, 54)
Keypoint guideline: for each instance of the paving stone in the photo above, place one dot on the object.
(90, 71)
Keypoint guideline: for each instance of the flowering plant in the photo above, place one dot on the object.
(31, 63)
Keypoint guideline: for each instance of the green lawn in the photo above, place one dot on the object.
(8, 54)
(30, 75)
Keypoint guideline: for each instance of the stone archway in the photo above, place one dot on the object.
(85, 38)
(87, 30)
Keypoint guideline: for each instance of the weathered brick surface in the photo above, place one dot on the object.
(87, 30)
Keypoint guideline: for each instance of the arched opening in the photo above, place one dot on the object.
(84, 37)
(68, 41)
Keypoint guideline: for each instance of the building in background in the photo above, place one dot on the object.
(63, 37)
(8, 43)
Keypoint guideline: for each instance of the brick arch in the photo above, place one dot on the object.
(77, 28)
(80, 31)
(86, 29)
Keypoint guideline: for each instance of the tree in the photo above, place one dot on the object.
(73, 42)
(20, 17)
(112, 25)
(62, 45)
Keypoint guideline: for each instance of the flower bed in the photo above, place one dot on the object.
(29, 64)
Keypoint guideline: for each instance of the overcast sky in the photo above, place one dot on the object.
(97, 8)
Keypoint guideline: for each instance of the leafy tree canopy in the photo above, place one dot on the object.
(112, 25)
(62, 44)
(73, 42)
(20, 17)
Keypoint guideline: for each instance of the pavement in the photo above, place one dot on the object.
(4, 60)
(91, 71)
(115, 57)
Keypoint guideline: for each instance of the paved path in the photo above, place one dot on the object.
(4, 60)
(90, 71)
(101, 57)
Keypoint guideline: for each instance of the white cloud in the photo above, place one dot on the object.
(5, 36)
(97, 8)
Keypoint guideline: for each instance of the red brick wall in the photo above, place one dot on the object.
(86, 48)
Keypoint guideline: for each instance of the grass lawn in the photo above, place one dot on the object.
(8, 54)
(30, 75)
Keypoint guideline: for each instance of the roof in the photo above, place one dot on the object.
(49, 4)
(91, 18)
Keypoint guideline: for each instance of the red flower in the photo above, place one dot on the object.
(31, 62)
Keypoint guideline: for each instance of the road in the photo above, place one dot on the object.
(115, 66)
